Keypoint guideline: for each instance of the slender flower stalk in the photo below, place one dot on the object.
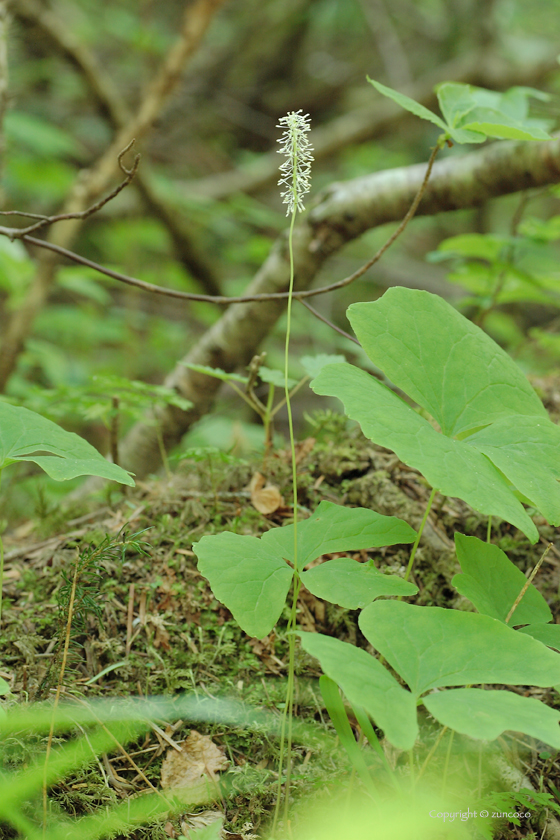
(296, 174)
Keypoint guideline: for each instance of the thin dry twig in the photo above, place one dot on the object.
(4, 96)
(45, 221)
(119, 746)
(528, 583)
(112, 106)
(196, 19)
(222, 299)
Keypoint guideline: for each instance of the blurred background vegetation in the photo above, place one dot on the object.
(210, 211)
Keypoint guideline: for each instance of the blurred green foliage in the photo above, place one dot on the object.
(256, 62)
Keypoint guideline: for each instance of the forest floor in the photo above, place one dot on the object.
(153, 627)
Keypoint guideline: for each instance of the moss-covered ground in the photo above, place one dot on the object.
(147, 623)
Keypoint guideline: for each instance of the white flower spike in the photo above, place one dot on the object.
(296, 169)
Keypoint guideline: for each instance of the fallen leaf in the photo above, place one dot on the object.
(303, 448)
(197, 822)
(266, 498)
(200, 759)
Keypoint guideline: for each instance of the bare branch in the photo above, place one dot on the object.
(4, 20)
(44, 221)
(111, 105)
(14, 233)
(92, 182)
(341, 213)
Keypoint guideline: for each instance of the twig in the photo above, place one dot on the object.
(45, 221)
(196, 19)
(4, 21)
(69, 618)
(113, 106)
(129, 619)
(528, 582)
(328, 323)
(119, 746)
(114, 429)
(221, 299)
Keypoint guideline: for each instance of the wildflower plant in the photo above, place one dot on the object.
(296, 174)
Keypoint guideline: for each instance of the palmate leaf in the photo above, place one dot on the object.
(367, 683)
(430, 648)
(437, 647)
(492, 583)
(26, 436)
(487, 714)
(353, 585)
(494, 428)
(337, 528)
(251, 577)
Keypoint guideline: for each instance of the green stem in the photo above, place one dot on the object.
(446, 767)
(286, 739)
(489, 530)
(419, 534)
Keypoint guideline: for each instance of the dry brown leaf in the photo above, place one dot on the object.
(194, 822)
(303, 448)
(198, 760)
(265, 498)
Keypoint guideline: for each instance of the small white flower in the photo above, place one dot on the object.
(296, 169)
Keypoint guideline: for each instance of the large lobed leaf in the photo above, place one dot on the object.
(436, 647)
(367, 683)
(487, 714)
(251, 575)
(26, 436)
(495, 432)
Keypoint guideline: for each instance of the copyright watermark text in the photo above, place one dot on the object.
(450, 816)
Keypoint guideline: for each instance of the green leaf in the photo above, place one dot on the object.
(313, 364)
(337, 528)
(488, 113)
(250, 578)
(217, 373)
(526, 450)
(455, 101)
(4, 687)
(466, 382)
(492, 583)
(446, 364)
(26, 436)
(432, 647)
(503, 131)
(368, 684)
(409, 105)
(353, 585)
(44, 139)
(339, 717)
(452, 466)
(484, 246)
(274, 377)
(548, 634)
(487, 714)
